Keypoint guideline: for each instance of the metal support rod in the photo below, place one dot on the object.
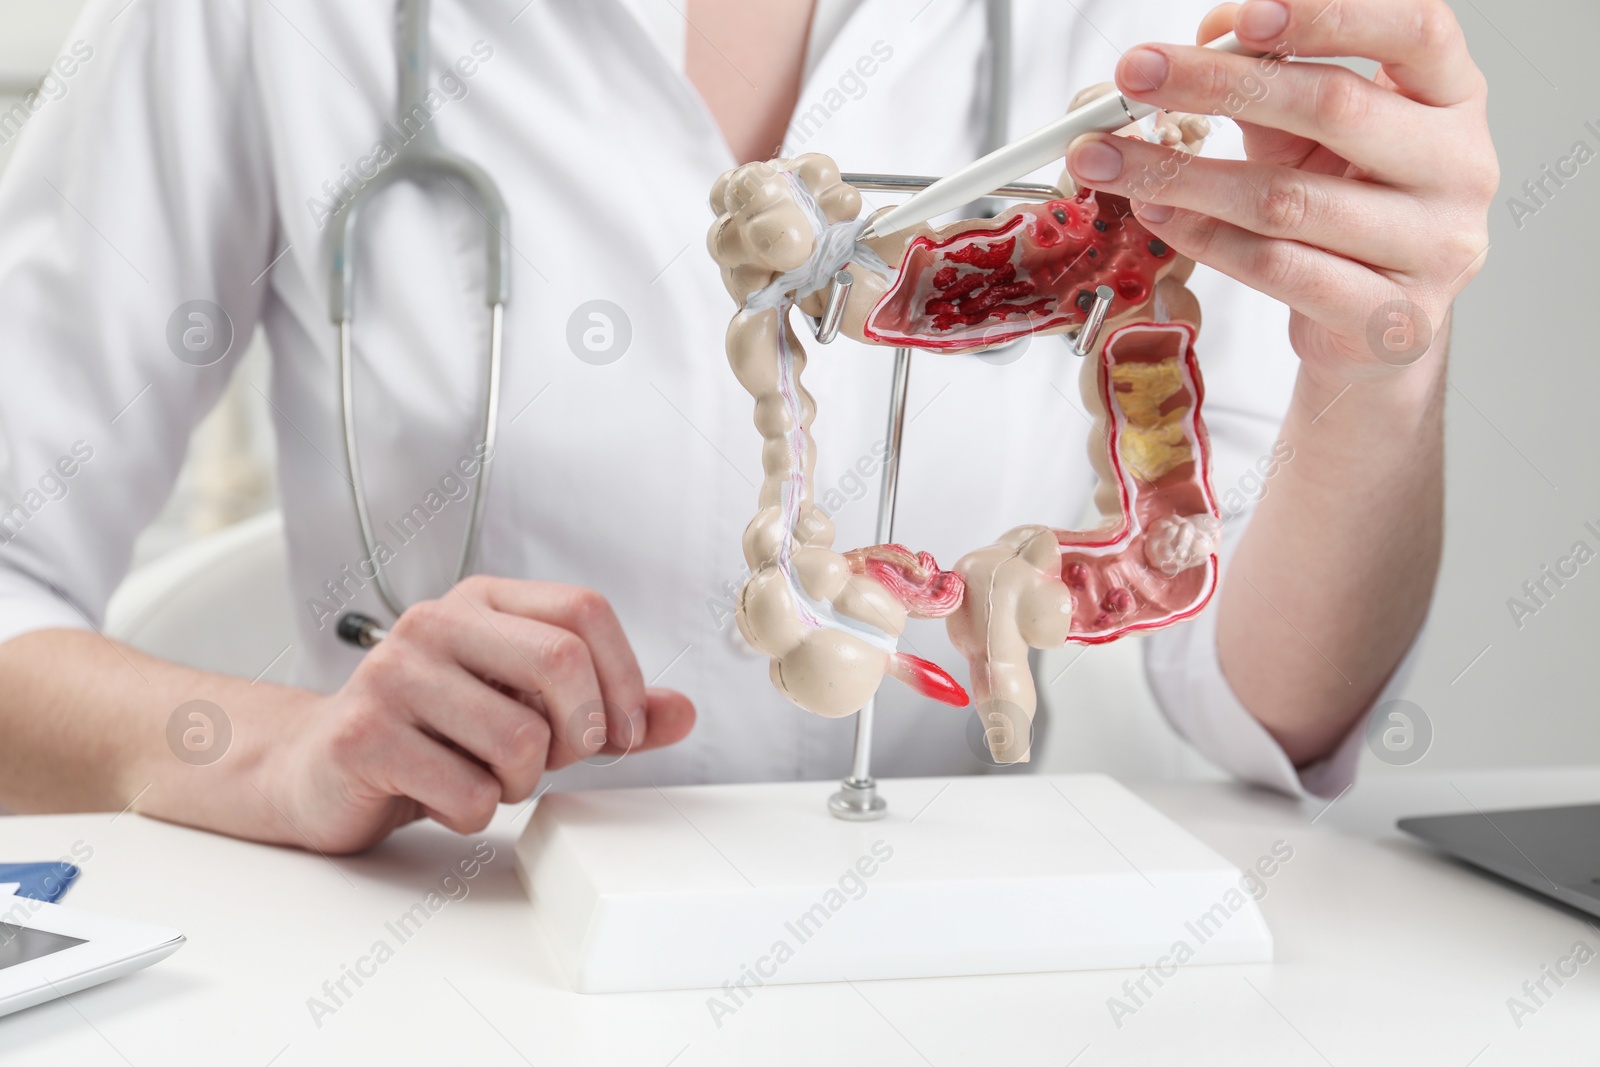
(901, 183)
(1089, 332)
(858, 798)
(833, 311)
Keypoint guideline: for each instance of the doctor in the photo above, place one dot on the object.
(200, 149)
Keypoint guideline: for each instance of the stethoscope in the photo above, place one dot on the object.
(423, 157)
(420, 158)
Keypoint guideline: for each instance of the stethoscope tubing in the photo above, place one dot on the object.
(418, 160)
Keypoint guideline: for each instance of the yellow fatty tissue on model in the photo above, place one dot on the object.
(1153, 441)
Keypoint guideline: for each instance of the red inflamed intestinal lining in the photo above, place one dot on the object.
(1036, 271)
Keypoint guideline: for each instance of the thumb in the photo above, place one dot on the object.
(669, 716)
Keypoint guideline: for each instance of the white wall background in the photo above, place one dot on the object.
(1523, 473)
(1521, 421)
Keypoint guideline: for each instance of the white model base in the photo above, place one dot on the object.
(698, 886)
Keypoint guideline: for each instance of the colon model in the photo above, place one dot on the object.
(831, 621)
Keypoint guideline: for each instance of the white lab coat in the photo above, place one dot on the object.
(194, 155)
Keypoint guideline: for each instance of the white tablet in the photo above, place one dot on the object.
(47, 950)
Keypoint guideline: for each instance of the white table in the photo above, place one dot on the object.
(1386, 954)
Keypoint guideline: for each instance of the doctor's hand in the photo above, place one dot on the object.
(470, 699)
(1362, 204)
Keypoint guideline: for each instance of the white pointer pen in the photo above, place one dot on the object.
(978, 179)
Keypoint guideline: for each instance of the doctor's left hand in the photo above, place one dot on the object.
(464, 706)
(1360, 199)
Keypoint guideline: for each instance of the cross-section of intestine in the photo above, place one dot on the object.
(831, 621)
(1151, 562)
(983, 287)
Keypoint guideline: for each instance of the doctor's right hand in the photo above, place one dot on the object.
(466, 703)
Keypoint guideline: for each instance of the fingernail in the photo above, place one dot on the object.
(1143, 70)
(1095, 159)
(1156, 213)
(617, 727)
(636, 725)
(1262, 20)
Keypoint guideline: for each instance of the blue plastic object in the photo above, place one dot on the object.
(48, 882)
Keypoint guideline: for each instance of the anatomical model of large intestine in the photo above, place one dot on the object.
(831, 621)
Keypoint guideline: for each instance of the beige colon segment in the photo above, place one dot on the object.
(1015, 601)
(830, 632)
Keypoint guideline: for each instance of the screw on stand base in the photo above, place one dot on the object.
(857, 801)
